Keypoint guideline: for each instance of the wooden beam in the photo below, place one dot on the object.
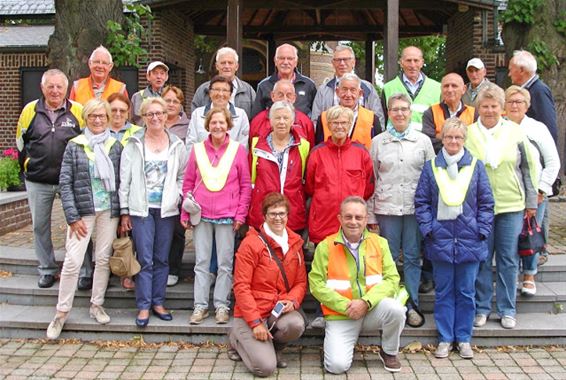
(314, 30)
(271, 46)
(234, 30)
(391, 41)
(370, 58)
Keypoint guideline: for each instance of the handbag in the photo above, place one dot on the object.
(123, 263)
(531, 239)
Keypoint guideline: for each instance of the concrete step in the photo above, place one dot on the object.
(17, 321)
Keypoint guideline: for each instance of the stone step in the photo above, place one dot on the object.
(18, 321)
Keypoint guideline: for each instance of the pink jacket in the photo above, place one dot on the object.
(230, 202)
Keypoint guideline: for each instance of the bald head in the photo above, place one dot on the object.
(411, 62)
(452, 88)
(283, 90)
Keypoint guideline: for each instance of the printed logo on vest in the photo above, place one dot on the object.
(302, 93)
(68, 123)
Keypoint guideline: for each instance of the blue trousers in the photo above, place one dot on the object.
(402, 232)
(152, 238)
(454, 304)
(502, 243)
(530, 263)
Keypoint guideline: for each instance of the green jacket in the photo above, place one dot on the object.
(388, 287)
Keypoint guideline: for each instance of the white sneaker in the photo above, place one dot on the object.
(55, 327)
(318, 323)
(508, 322)
(98, 313)
(443, 350)
(480, 320)
(465, 350)
(172, 280)
(222, 315)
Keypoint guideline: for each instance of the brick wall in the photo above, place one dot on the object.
(14, 215)
(10, 96)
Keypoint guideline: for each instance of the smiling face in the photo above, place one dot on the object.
(490, 112)
(339, 129)
(516, 107)
(399, 114)
(154, 117)
(343, 62)
(157, 78)
(281, 122)
(452, 88)
(411, 63)
(218, 127)
(453, 140)
(173, 104)
(227, 66)
(283, 91)
(348, 92)
(97, 121)
(100, 66)
(119, 112)
(276, 218)
(286, 60)
(220, 94)
(54, 90)
(353, 220)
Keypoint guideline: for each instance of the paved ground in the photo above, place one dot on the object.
(39, 360)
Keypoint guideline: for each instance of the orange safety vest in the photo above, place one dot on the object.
(362, 129)
(339, 276)
(83, 92)
(467, 117)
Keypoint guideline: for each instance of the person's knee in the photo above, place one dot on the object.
(264, 368)
(337, 364)
(291, 328)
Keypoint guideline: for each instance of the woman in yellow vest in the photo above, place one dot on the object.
(454, 210)
(218, 177)
(89, 183)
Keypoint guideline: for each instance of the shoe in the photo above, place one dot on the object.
(414, 319)
(542, 259)
(85, 283)
(98, 313)
(199, 315)
(480, 320)
(391, 363)
(46, 281)
(318, 323)
(233, 355)
(55, 327)
(426, 286)
(222, 315)
(443, 350)
(163, 316)
(508, 322)
(128, 283)
(465, 350)
(172, 280)
(529, 292)
(280, 362)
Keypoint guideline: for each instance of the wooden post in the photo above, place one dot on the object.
(234, 30)
(370, 58)
(271, 46)
(391, 40)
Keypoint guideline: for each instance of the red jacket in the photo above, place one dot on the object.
(333, 173)
(258, 283)
(268, 180)
(260, 126)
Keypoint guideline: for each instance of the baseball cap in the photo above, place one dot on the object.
(155, 64)
(475, 62)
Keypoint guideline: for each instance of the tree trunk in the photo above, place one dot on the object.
(518, 36)
(80, 27)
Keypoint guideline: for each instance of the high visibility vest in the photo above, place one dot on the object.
(362, 129)
(467, 117)
(83, 91)
(83, 141)
(214, 177)
(304, 148)
(340, 278)
(453, 191)
(129, 133)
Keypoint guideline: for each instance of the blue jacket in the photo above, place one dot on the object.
(465, 238)
(542, 106)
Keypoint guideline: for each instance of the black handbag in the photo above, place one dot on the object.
(531, 239)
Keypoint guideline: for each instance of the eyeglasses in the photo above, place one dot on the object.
(99, 62)
(220, 90)
(118, 110)
(150, 115)
(277, 215)
(339, 60)
(399, 110)
(93, 117)
(515, 102)
(453, 138)
(172, 101)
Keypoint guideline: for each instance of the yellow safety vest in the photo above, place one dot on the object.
(83, 141)
(214, 177)
(453, 191)
(304, 148)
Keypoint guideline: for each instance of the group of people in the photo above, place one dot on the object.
(445, 176)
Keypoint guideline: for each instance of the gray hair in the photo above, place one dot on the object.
(152, 100)
(454, 123)
(340, 48)
(514, 89)
(95, 104)
(224, 51)
(284, 45)
(351, 77)
(101, 49)
(283, 81)
(335, 112)
(398, 96)
(491, 91)
(282, 105)
(52, 73)
(525, 60)
(353, 199)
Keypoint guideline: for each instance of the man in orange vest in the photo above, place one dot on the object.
(98, 84)
(354, 278)
(366, 124)
(452, 90)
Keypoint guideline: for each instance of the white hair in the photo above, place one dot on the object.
(525, 60)
(351, 77)
(340, 48)
(224, 51)
(282, 105)
(52, 73)
(282, 82)
(285, 45)
(101, 49)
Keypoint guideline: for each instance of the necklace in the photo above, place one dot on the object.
(157, 144)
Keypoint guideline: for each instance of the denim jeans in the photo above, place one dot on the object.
(502, 243)
(152, 238)
(402, 233)
(530, 263)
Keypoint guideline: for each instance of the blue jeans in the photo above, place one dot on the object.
(530, 263)
(503, 242)
(152, 238)
(454, 305)
(402, 232)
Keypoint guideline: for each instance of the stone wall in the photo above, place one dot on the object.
(14, 214)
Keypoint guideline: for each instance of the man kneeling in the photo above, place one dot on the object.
(355, 279)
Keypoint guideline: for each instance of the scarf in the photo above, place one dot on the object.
(395, 133)
(103, 166)
(492, 150)
(444, 211)
(283, 240)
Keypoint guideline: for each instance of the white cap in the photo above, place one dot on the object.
(475, 62)
(155, 64)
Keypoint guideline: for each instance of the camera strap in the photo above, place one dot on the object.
(276, 259)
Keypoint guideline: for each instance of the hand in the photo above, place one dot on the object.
(374, 227)
(261, 333)
(540, 198)
(186, 225)
(357, 309)
(530, 212)
(78, 228)
(288, 306)
(236, 226)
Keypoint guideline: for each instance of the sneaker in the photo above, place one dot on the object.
(199, 315)
(391, 363)
(528, 292)
(318, 323)
(443, 350)
(55, 327)
(172, 280)
(222, 315)
(508, 322)
(480, 320)
(414, 319)
(465, 350)
(98, 313)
